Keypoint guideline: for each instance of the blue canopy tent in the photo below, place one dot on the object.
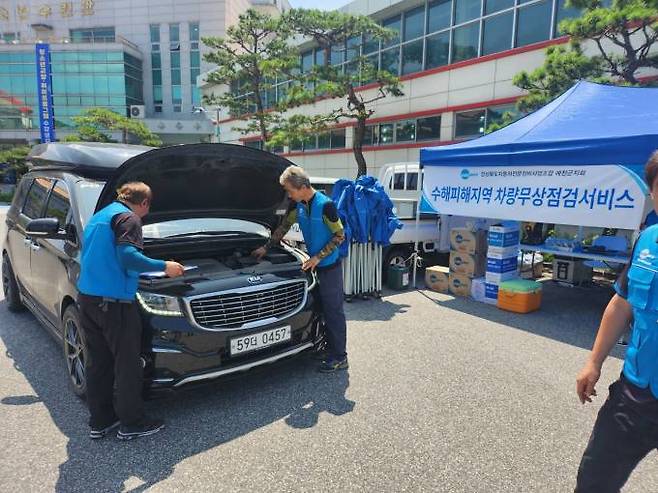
(578, 160)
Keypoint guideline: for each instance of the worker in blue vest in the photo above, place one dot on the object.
(626, 429)
(110, 263)
(323, 233)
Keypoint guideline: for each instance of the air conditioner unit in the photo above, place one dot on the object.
(137, 111)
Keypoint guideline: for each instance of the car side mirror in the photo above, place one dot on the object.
(46, 227)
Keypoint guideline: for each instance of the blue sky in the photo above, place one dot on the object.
(318, 4)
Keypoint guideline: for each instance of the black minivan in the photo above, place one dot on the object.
(213, 204)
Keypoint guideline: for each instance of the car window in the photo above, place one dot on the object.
(21, 193)
(412, 181)
(86, 195)
(36, 197)
(398, 183)
(200, 225)
(59, 203)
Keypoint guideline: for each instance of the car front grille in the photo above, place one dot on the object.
(233, 310)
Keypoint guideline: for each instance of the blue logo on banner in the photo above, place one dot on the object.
(465, 174)
(45, 93)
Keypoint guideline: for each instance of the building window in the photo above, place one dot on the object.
(438, 15)
(465, 42)
(534, 23)
(497, 33)
(437, 50)
(428, 128)
(491, 6)
(466, 10)
(386, 133)
(158, 108)
(353, 48)
(564, 12)
(469, 124)
(338, 138)
(414, 21)
(370, 45)
(174, 33)
(391, 60)
(369, 135)
(154, 30)
(412, 57)
(176, 97)
(92, 35)
(324, 140)
(394, 23)
(307, 61)
(405, 131)
(254, 144)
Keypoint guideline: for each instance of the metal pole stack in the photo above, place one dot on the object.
(362, 271)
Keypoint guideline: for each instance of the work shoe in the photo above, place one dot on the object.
(143, 428)
(321, 355)
(96, 433)
(333, 365)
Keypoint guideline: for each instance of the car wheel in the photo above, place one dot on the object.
(75, 350)
(395, 256)
(10, 286)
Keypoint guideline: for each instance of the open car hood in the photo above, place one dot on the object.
(206, 180)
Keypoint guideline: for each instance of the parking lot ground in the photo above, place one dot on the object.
(443, 395)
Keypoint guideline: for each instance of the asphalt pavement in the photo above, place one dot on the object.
(442, 395)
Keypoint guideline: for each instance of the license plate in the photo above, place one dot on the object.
(259, 340)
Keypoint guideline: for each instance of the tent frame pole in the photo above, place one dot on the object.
(414, 255)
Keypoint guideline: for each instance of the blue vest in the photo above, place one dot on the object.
(641, 363)
(101, 274)
(316, 233)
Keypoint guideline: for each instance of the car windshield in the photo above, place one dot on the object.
(87, 193)
(201, 226)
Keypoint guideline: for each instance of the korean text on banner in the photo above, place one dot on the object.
(45, 93)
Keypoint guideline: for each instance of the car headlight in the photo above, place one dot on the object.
(158, 304)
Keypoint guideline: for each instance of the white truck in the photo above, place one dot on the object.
(400, 180)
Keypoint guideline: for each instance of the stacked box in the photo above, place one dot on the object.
(479, 291)
(468, 259)
(502, 257)
(437, 278)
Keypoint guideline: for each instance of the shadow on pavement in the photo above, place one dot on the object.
(197, 419)
(568, 314)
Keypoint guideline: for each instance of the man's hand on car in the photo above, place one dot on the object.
(259, 253)
(311, 263)
(173, 269)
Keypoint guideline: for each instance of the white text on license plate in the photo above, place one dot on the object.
(260, 340)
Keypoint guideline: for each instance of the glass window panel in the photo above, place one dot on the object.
(59, 203)
(370, 45)
(194, 31)
(497, 33)
(495, 113)
(491, 6)
(437, 50)
(36, 198)
(412, 181)
(157, 94)
(116, 84)
(59, 85)
(319, 57)
(85, 56)
(194, 73)
(398, 181)
(73, 100)
(469, 124)
(391, 61)
(337, 55)
(87, 68)
(295, 145)
(59, 101)
(465, 10)
(534, 23)
(386, 133)
(563, 12)
(175, 77)
(174, 32)
(115, 68)
(116, 101)
(310, 143)
(414, 23)
(428, 128)
(154, 29)
(465, 42)
(99, 56)
(324, 140)
(115, 56)
(338, 139)
(394, 23)
(405, 131)
(175, 59)
(86, 84)
(177, 109)
(353, 48)
(156, 62)
(307, 61)
(176, 94)
(412, 57)
(87, 100)
(369, 135)
(100, 85)
(195, 59)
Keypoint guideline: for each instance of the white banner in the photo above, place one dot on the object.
(604, 196)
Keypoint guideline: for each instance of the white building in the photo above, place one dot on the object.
(162, 36)
(456, 60)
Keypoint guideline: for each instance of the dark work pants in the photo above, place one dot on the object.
(113, 332)
(331, 297)
(621, 438)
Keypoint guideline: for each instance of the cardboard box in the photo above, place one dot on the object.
(470, 265)
(466, 241)
(460, 284)
(497, 277)
(504, 236)
(501, 265)
(502, 252)
(437, 278)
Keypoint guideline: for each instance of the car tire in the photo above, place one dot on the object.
(394, 256)
(75, 350)
(10, 286)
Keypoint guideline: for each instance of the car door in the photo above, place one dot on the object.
(21, 245)
(50, 257)
(19, 253)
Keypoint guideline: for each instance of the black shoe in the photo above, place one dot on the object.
(96, 433)
(334, 365)
(321, 355)
(143, 428)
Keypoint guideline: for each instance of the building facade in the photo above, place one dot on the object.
(456, 60)
(115, 54)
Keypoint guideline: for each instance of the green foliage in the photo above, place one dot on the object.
(92, 125)
(15, 157)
